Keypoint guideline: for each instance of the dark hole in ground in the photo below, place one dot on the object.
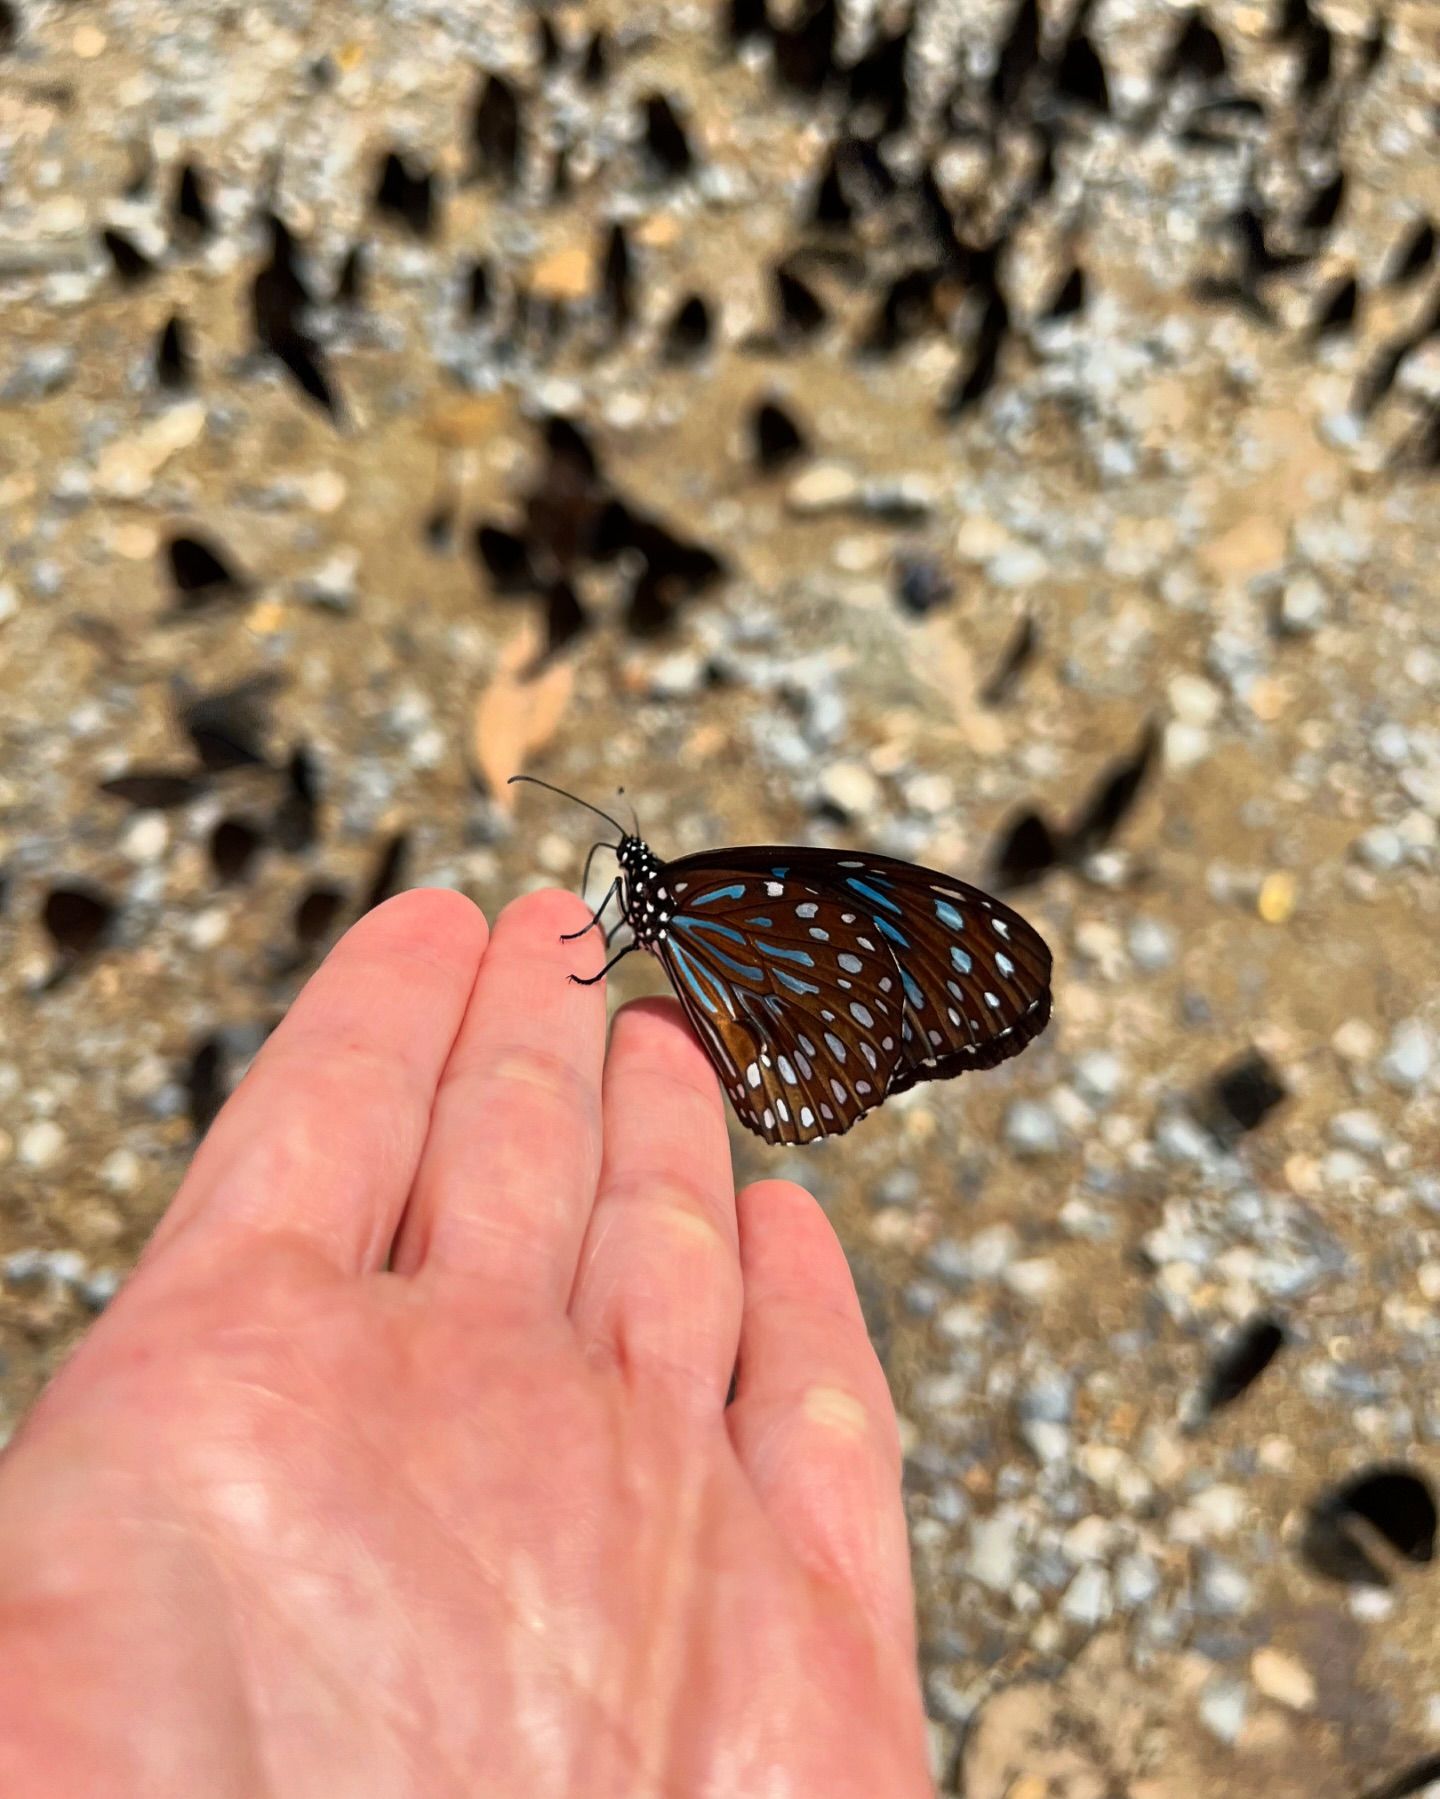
(1336, 308)
(1196, 51)
(193, 219)
(1241, 1361)
(1068, 298)
(595, 64)
(666, 142)
(153, 789)
(1323, 207)
(130, 263)
(1242, 1096)
(233, 846)
(77, 917)
(405, 191)
(316, 914)
(775, 438)
(497, 132)
(1393, 1501)
(1117, 791)
(1019, 56)
(296, 822)
(477, 290)
(174, 367)
(978, 374)
(205, 1083)
(1027, 850)
(200, 572)
(227, 728)
(350, 282)
(1081, 75)
(389, 875)
(805, 52)
(688, 332)
(617, 280)
(801, 311)
(1412, 256)
(548, 48)
(505, 557)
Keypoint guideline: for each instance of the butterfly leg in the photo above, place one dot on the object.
(570, 936)
(585, 876)
(590, 980)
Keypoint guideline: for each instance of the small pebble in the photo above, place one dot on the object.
(1089, 1599)
(41, 1143)
(121, 1171)
(823, 487)
(1032, 1129)
(1152, 945)
(1359, 1130)
(146, 837)
(1099, 1076)
(851, 789)
(1303, 606)
(1409, 1056)
(1223, 1707)
(1281, 1678)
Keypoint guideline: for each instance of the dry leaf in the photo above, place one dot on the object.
(519, 712)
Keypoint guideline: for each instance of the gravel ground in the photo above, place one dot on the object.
(1017, 456)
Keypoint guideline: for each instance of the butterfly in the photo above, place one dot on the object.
(820, 981)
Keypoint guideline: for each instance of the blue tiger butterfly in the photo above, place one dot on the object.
(822, 981)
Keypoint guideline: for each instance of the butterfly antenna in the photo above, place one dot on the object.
(574, 798)
(634, 815)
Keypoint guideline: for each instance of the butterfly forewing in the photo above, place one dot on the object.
(821, 982)
(800, 1014)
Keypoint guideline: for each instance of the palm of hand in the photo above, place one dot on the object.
(293, 1523)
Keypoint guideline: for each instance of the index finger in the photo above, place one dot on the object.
(322, 1138)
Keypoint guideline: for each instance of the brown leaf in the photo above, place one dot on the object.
(519, 712)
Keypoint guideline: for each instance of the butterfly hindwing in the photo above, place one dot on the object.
(820, 981)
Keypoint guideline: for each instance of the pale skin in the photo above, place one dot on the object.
(403, 1466)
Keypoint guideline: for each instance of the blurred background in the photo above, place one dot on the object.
(1002, 436)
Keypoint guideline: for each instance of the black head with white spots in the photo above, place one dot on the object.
(647, 901)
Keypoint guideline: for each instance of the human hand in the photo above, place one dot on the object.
(402, 1465)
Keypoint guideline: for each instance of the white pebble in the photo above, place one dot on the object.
(1088, 1599)
(146, 837)
(41, 1143)
(1409, 1057)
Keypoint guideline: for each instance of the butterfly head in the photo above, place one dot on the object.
(649, 904)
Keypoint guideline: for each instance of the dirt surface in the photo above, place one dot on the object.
(1183, 531)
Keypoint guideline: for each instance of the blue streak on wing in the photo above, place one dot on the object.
(794, 983)
(685, 923)
(871, 893)
(960, 959)
(748, 969)
(765, 924)
(780, 873)
(884, 926)
(802, 956)
(947, 915)
(913, 990)
(719, 893)
(692, 980)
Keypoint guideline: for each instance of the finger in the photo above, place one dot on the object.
(812, 1420)
(658, 1286)
(508, 1176)
(322, 1138)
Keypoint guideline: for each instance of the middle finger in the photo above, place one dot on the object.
(507, 1179)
